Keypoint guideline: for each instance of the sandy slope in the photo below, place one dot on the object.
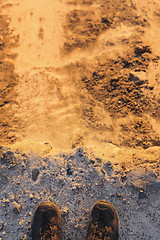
(62, 43)
(83, 74)
(39, 29)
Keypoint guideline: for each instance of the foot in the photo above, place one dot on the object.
(104, 222)
(46, 222)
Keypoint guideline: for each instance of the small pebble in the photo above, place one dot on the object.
(119, 195)
(16, 208)
(69, 171)
(6, 202)
(64, 212)
(142, 195)
(35, 173)
(142, 49)
(29, 227)
(1, 225)
(31, 196)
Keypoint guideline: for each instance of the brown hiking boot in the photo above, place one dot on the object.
(46, 222)
(104, 222)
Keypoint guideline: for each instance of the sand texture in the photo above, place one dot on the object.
(80, 113)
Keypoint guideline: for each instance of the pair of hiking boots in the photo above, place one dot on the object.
(103, 223)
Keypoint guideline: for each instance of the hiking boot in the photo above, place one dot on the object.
(46, 222)
(104, 222)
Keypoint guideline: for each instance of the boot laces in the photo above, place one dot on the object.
(102, 232)
(48, 231)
